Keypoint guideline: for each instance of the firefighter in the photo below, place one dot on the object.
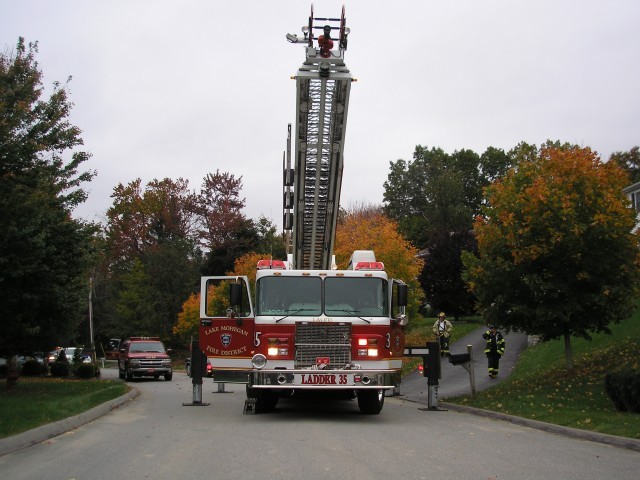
(325, 42)
(494, 350)
(442, 330)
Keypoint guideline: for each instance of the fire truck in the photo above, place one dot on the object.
(310, 326)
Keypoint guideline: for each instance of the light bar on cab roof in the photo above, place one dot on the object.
(271, 264)
(369, 266)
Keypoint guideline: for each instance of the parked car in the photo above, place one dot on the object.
(71, 352)
(52, 356)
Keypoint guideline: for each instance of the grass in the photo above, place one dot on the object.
(419, 332)
(37, 401)
(540, 387)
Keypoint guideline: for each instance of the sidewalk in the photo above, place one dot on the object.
(455, 379)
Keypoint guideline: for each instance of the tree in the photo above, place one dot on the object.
(557, 256)
(44, 253)
(269, 242)
(367, 228)
(152, 257)
(140, 220)
(629, 161)
(434, 199)
(441, 277)
(224, 232)
(188, 319)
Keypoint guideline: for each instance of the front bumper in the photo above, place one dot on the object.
(150, 372)
(324, 379)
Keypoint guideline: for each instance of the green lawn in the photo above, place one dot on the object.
(37, 401)
(540, 388)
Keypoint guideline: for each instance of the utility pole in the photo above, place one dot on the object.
(92, 344)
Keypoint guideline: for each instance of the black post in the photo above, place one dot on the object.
(198, 369)
(432, 366)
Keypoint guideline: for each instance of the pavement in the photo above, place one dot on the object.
(454, 382)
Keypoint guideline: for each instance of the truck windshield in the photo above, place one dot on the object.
(290, 296)
(301, 296)
(349, 296)
(147, 347)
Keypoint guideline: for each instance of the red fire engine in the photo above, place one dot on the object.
(311, 326)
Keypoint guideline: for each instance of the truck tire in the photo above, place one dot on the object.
(370, 401)
(168, 376)
(120, 373)
(128, 374)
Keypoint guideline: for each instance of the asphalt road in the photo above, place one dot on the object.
(155, 436)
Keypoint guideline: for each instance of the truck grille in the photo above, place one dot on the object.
(150, 362)
(315, 340)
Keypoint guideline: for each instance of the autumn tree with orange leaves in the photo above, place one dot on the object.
(367, 228)
(557, 256)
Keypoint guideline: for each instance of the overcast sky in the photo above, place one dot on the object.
(182, 88)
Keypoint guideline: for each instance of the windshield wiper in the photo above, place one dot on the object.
(294, 312)
(350, 312)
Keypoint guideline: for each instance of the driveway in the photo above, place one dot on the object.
(455, 379)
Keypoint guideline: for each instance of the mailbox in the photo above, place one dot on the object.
(459, 358)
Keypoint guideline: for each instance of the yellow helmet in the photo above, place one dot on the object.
(441, 314)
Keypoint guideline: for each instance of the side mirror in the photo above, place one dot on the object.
(235, 294)
(403, 294)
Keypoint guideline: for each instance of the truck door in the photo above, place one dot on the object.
(227, 325)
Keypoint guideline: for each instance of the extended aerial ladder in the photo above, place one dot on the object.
(312, 187)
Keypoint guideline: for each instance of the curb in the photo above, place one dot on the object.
(45, 432)
(613, 440)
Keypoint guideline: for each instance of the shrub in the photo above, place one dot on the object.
(3, 370)
(33, 368)
(60, 369)
(87, 370)
(624, 390)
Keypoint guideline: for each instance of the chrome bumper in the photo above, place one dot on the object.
(324, 379)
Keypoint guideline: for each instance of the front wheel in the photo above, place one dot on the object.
(370, 402)
(168, 376)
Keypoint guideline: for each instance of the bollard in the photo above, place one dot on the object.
(472, 376)
(198, 367)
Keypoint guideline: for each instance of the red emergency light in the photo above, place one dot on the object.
(271, 264)
(369, 266)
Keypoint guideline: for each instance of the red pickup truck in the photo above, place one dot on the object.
(144, 357)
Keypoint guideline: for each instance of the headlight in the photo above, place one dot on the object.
(275, 351)
(259, 361)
